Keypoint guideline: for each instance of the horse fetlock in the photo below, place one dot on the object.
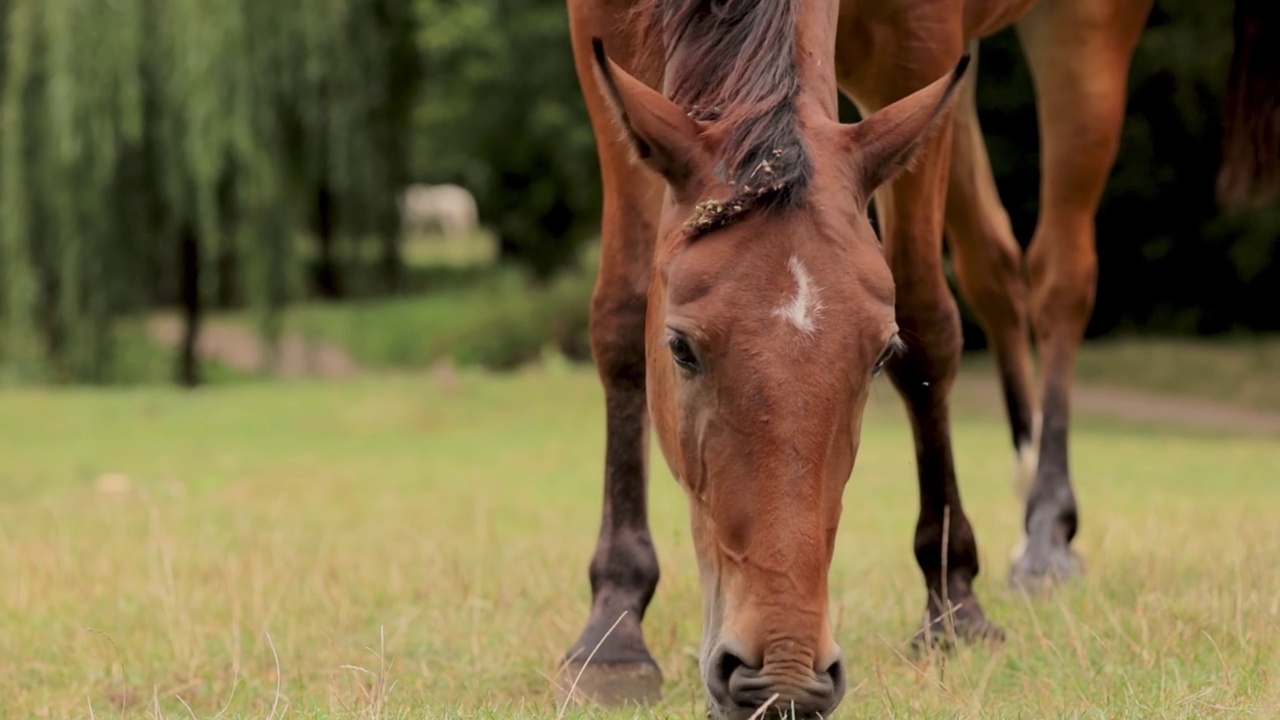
(955, 619)
(956, 555)
(627, 570)
(613, 635)
(1046, 556)
(1039, 569)
(1052, 514)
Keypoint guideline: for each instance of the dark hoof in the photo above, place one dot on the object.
(1039, 572)
(943, 631)
(610, 684)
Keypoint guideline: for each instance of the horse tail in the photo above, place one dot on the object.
(1250, 169)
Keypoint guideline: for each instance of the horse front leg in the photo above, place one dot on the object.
(946, 546)
(911, 209)
(624, 567)
(908, 52)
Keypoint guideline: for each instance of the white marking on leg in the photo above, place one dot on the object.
(1026, 461)
(802, 310)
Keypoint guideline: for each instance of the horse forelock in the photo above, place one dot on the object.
(733, 63)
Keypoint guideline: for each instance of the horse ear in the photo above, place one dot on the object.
(887, 141)
(662, 135)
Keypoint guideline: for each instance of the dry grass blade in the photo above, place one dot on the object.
(918, 670)
(378, 690)
(760, 711)
(1226, 668)
(124, 688)
(573, 688)
(1195, 696)
(188, 707)
(275, 703)
(235, 683)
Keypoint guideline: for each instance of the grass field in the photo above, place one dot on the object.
(416, 546)
(1240, 371)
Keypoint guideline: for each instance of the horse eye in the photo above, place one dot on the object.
(890, 350)
(682, 353)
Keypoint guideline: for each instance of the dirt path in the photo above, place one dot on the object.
(238, 347)
(1145, 407)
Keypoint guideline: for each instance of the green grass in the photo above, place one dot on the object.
(139, 361)
(433, 250)
(416, 546)
(1243, 371)
(1238, 371)
(497, 320)
(136, 360)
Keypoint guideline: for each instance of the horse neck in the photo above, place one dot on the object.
(815, 56)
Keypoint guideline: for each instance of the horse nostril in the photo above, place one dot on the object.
(724, 665)
(727, 663)
(836, 672)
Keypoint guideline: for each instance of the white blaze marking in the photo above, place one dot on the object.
(802, 310)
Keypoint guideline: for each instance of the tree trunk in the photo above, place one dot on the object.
(189, 292)
(392, 265)
(510, 251)
(328, 283)
(229, 294)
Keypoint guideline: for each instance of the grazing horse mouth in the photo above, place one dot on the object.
(805, 697)
(736, 690)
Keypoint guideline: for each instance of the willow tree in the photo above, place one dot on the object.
(347, 88)
(71, 105)
(503, 115)
(157, 150)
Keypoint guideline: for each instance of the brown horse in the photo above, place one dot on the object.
(744, 302)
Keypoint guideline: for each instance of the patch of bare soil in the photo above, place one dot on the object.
(240, 348)
(1145, 407)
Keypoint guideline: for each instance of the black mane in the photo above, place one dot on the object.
(733, 63)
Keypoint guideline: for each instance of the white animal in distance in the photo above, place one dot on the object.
(451, 207)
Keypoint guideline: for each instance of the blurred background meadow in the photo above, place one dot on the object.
(293, 348)
(257, 168)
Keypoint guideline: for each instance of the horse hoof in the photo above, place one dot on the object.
(943, 634)
(610, 684)
(1040, 573)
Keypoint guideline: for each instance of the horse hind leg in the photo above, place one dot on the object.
(624, 567)
(1078, 52)
(989, 269)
